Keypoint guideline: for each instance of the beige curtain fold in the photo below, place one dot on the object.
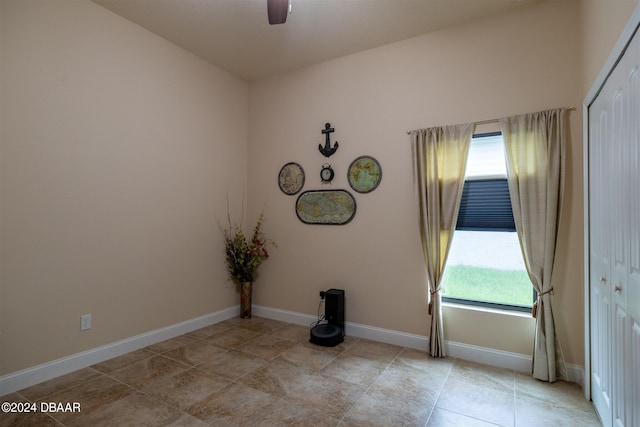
(439, 160)
(535, 151)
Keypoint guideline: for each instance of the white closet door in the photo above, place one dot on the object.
(600, 263)
(625, 271)
(614, 182)
(633, 235)
(620, 243)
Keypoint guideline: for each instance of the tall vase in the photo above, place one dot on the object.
(245, 299)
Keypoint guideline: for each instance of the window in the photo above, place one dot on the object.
(485, 265)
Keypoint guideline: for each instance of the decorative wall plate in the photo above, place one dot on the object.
(333, 207)
(364, 174)
(291, 178)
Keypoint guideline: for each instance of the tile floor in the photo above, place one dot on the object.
(261, 372)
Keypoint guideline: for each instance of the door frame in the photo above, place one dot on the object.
(618, 50)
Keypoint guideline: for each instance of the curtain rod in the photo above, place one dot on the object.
(484, 122)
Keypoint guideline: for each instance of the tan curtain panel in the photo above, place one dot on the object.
(535, 150)
(439, 160)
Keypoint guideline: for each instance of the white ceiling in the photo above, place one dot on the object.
(236, 36)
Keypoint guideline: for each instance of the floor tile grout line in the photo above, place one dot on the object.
(369, 387)
(318, 371)
(474, 417)
(446, 378)
(171, 403)
(84, 382)
(515, 421)
(467, 416)
(158, 399)
(402, 349)
(62, 389)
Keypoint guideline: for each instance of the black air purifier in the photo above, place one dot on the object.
(331, 333)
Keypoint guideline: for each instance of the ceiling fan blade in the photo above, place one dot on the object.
(277, 10)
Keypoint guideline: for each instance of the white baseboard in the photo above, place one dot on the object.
(504, 359)
(576, 374)
(37, 374)
(487, 356)
(388, 336)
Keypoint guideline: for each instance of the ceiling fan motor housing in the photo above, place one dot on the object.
(277, 10)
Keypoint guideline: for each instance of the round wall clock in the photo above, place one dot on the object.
(326, 174)
(364, 174)
(291, 178)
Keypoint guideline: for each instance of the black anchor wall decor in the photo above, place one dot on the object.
(327, 151)
(329, 207)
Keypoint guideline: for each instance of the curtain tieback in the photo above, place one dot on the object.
(433, 292)
(534, 308)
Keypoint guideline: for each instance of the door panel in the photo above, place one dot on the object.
(614, 242)
(634, 417)
(600, 262)
(633, 235)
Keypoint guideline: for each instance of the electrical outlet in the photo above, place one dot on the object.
(85, 322)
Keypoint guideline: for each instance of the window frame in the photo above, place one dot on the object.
(488, 304)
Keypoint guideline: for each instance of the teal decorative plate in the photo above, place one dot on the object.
(364, 174)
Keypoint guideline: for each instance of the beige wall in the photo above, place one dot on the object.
(117, 153)
(486, 69)
(602, 22)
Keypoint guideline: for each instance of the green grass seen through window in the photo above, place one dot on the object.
(511, 287)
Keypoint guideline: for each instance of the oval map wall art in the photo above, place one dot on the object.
(332, 207)
(364, 174)
(291, 178)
